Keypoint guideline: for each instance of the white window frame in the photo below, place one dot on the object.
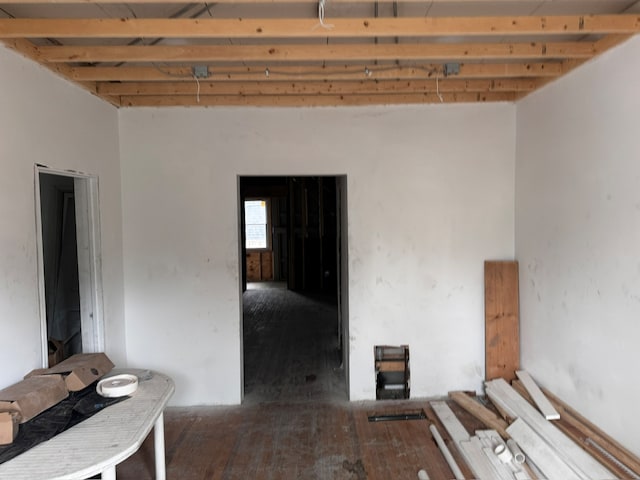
(267, 227)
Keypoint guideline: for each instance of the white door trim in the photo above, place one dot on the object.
(89, 260)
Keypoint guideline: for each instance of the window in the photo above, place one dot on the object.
(256, 223)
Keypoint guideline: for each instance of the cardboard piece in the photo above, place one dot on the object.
(33, 395)
(80, 370)
(56, 351)
(8, 427)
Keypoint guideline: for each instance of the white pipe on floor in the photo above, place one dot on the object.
(518, 456)
(446, 453)
(423, 475)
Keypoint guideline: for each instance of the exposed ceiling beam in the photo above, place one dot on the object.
(307, 27)
(600, 46)
(311, 100)
(341, 72)
(316, 88)
(29, 50)
(330, 52)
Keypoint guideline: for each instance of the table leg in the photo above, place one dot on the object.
(158, 437)
(109, 473)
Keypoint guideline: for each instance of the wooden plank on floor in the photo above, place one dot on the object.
(492, 439)
(579, 460)
(623, 465)
(501, 305)
(540, 453)
(593, 431)
(538, 397)
(454, 427)
(477, 460)
(470, 447)
(482, 413)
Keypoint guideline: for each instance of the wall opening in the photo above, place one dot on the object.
(392, 372)
(70, 283)
(293, 287)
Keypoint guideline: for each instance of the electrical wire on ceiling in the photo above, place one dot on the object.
(367, 72)
(198, 88)
(321, 23)
(438, 87)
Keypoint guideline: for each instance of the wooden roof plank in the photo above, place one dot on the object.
(311, 73)
(600, 46)
(30, 51)
(307, 27)
(310, 100)
(331, 52)
(315, 88)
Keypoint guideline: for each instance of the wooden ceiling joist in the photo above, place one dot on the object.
(307, 27)
(364, 87)
(27, 49)
(310, 100)
(342, 72)
(318, 53)
(152, 59)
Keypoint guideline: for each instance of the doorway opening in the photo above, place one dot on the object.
(69, 273)
(293, 247)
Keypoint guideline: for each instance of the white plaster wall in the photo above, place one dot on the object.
(431, 195)
(578, 238)
(46, 120)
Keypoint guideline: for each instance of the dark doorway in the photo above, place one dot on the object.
(60, 258)
(292, 282)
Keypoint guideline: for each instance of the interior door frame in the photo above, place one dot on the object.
(89, 260)
(342, 266)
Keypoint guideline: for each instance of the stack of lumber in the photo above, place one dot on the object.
(480, 451)
(532, 434)
(527, 422)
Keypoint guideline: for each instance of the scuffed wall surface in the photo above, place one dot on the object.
(578, 238)
(45, 120)
(430, 198)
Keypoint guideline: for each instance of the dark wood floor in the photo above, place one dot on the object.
(295, 421)
(291, 346)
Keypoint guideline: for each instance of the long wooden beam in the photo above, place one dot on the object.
(482, 413)
(29, 50)
(310, 100)
(307, 27)
(310, 73)
(600, 46)
(325, 52)
(363, 87)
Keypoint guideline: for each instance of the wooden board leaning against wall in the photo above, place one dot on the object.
(502, 335)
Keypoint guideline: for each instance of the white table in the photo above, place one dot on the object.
(98, 444)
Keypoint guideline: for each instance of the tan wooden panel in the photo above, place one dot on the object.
(390, 366)
(502, 333)
(266, 265)
(254, 273)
